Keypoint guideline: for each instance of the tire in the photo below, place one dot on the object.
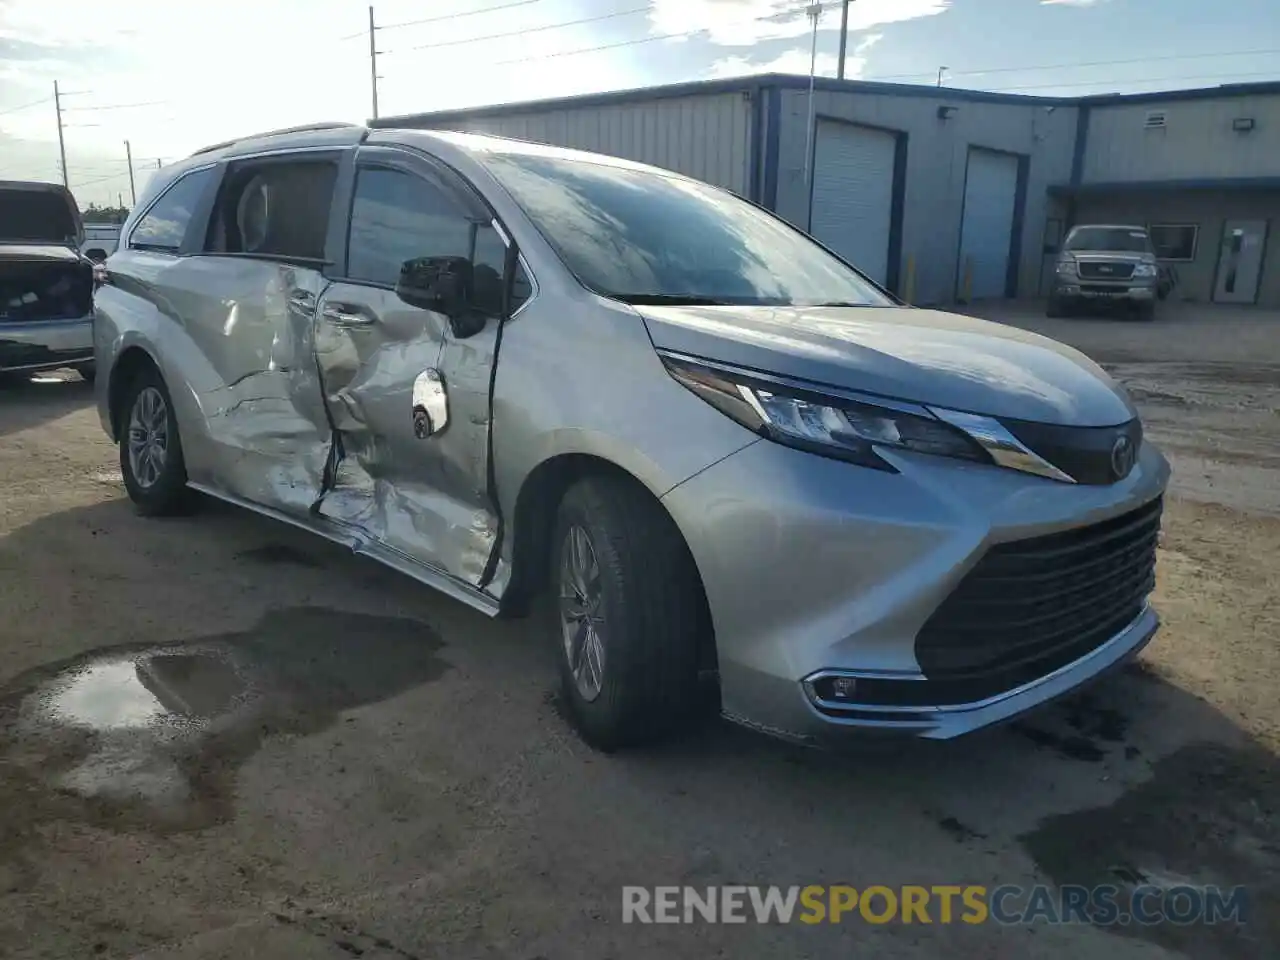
(1055, 309)
(649, 616)
(157, 488)
(88, 372)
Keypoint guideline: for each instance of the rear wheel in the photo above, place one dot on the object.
(151, 461)
(628, 616)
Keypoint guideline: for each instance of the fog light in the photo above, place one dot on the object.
(842, 688)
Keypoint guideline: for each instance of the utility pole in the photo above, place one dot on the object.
(133, 193)
(813, 12)
(373, 61)
(62, 145)
(941, 71)
(157, 163)
(844, 38)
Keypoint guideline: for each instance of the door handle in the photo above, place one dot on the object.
(302, 301)
(347, 315)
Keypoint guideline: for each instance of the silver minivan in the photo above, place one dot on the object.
(740, 474)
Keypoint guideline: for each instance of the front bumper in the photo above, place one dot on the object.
(1136, 291)
(814, 567)
(46, 344)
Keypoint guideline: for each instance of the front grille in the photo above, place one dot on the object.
(1032, 606)
(1104, 270)
(1093, 455)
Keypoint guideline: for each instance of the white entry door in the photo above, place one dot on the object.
(1240, 262)
(986, 234)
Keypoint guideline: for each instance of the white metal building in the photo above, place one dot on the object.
(943, 194)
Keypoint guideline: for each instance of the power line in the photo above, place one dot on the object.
(528, 30)
(26, 106)
(118, 106)
(448, 16)
(684, 34)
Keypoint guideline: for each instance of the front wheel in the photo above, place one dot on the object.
(629, 615)
(151, 462)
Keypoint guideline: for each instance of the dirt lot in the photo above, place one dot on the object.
(371, 770)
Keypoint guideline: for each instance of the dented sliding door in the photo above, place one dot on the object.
(408, 404)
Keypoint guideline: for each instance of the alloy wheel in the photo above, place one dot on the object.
(581, 615)
(148, 437)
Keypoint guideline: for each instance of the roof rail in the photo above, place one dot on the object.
(304, 128)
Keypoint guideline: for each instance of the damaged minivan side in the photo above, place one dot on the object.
(742, 475)
(46, 285)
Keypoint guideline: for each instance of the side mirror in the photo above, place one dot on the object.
(444, 285)
(96, 254)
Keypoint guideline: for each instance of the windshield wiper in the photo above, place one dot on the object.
(669, 300)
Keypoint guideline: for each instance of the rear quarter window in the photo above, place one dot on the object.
(165, 224)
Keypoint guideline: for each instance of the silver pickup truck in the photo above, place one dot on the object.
(46, 284)
(1105, 264)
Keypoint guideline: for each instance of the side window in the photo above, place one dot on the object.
(397, 217)
(274, 208)
(165, 224)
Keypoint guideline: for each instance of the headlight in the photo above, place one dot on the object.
(833, 426)
(1145, 270)
(1066, 268)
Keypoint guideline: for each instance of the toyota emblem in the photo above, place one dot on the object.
(1122, 456)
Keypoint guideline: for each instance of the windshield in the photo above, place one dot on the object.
(642, 237)
(1120, 239)
(42, 216)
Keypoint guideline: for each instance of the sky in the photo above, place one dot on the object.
(170, 76)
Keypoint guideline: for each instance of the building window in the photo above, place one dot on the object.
(1174, 241)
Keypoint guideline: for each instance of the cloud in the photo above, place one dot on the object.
(796, 60)
(743, 23)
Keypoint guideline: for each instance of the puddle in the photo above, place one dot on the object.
(1210, 814)
(148, 691)
(151, 737)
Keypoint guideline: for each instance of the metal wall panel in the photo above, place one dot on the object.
(703, 136)
(1196, 142)
(853, 193)
(986, 231)
(937, 151)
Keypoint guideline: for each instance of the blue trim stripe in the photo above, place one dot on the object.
(755, 186)
(788, 81)
(773, 130)
(1154, 186)
(1019, 224)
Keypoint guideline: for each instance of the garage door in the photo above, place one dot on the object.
(853, 194)
(990, 193)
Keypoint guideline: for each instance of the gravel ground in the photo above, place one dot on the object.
(370, 770)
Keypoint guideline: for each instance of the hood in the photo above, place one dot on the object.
(923, 356)
(38, 213)
(48, 252)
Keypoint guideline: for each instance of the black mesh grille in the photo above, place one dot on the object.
(1104, 270)
(1085, 454)
(1032, 606)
